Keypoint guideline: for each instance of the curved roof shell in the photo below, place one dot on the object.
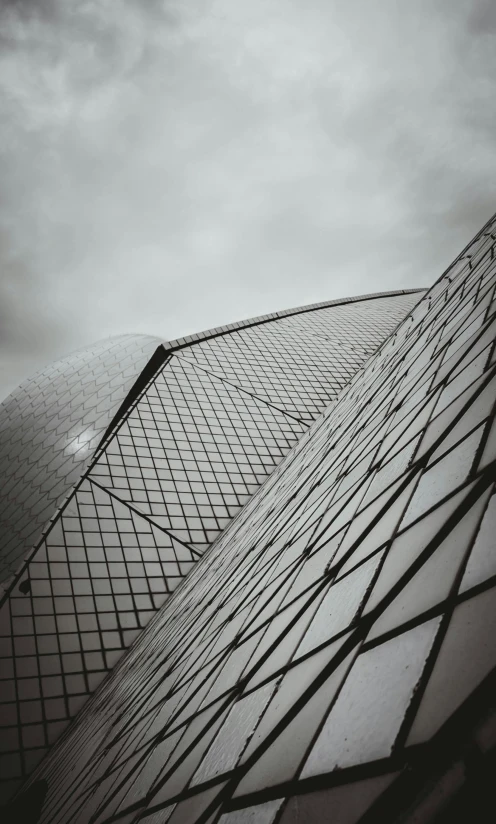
(50, 427)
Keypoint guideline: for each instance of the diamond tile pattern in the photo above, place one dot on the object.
(333, 652)
(193, 450)
(49, 430)
(300, 363)
(98, 577)
(182, 463)
(340, 323)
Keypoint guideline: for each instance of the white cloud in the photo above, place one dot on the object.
(167, 167)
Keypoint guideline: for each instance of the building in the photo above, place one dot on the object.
(323, 478)
(49, 430)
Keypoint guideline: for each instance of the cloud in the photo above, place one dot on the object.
(170, 166)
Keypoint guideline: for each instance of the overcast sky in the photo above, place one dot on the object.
(166, 167)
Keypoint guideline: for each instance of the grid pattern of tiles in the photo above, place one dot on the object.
(300, 363)
(183, 461)
(341, 322)
(193, 451)
(334, 652)
(98, 577)
(49, 430)
(178, 343)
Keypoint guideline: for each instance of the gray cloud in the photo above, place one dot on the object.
(170, 166)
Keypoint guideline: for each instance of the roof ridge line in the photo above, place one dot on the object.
(217, 331)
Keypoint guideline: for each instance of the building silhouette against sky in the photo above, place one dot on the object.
(255, 568)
